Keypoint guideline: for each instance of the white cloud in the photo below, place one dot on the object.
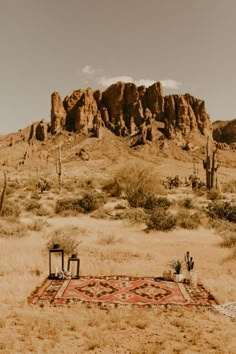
(107, 81)
(171, 84)
(88, 70)
(144, 82)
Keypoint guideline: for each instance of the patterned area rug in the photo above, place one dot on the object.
(114, 291)
(227, 309)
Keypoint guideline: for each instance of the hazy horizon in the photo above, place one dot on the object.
(61, 46)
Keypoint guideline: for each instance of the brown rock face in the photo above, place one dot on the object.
(127, 109)
(39, 131)
(81, 107)
(42, 131)
(58, 114)
(185, 114)
(225, 131)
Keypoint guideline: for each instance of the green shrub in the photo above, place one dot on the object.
(162, 220)
(222, 210)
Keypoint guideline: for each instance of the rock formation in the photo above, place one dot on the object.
(58, 114)
(225, 131)
(127, 109)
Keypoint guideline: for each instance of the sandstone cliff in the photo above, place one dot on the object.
(127, 109)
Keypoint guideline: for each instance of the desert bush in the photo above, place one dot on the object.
(106, 239)
(37, 225)
(139, 177)
(136, 215)
(162, 220)
(222, 210)
(68, 204)
(100, 213)
(153, 202)
(136, 197)
(186, 203)
(229, 187)
(91, 202)
(185, 220)
(86, 204)
(44, 184)
(67, 238)
(113, 189)
(213, 194)
(229, 241)
(11, 208)
(10, 227)
(32, 205)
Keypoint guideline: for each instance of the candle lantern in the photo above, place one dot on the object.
(73, 266)
(56, 261)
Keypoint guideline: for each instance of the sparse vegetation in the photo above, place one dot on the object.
(67, 238)
(214, 194)
(153, 202)
(86, 204)
(162, 220)
(223, 210)
(186, 220)
(186, 203)
(105, 239)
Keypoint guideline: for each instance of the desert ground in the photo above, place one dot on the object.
(113, 239)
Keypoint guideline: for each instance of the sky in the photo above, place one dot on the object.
(63, 45)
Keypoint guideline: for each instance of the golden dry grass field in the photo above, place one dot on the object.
(113, 239)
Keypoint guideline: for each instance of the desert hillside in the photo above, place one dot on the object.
(121, 208)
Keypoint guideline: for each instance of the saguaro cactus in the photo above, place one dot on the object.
(59, 166)
(3, 193)
(211, 166)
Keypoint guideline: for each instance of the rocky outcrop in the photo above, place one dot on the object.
(225, 131)
(127, 109)
(39, 131)
(80, 107)
(58, 113)
(185, 114)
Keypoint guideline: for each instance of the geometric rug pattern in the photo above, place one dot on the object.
(114, 291)
(227, 309)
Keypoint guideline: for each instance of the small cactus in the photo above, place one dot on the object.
(189, 261)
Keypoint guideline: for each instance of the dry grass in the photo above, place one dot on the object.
(109, 247)
(67, 237)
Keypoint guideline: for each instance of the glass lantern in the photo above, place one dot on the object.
(56, 261)
(73, 266)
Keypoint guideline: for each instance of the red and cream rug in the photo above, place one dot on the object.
(114, 291)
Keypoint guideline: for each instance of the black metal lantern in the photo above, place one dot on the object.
(56, 261)
(73, 266)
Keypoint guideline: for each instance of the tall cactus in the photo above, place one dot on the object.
(211, 166)
(59, 166)
(3, 193)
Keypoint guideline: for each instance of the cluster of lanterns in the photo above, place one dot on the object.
(56, 264)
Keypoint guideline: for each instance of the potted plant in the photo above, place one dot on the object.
(177, 266)
(189, 263)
